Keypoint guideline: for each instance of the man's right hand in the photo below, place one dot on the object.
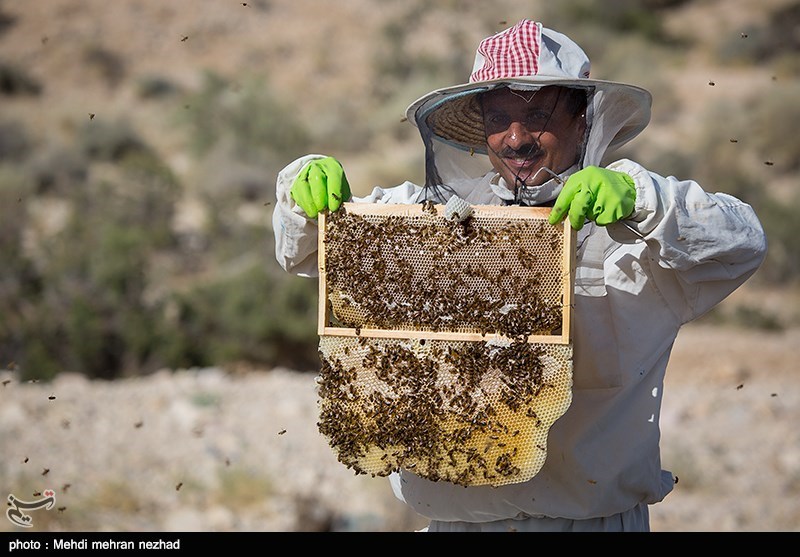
(320, 185)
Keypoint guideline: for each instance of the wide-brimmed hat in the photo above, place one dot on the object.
(525, 56)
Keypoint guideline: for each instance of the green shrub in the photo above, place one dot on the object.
(729, 155)
(156, 87)
(773, 126)
(14, 142)
(57, 170)
(246, 115)
(779, 218)
(19, 281)
(777, 39)
(109, 65)
(254, 316)
(14, 81)
(102, 140)
(644, 18)
(744, 317)
(724, 157)
(95, 281)
(85, 302)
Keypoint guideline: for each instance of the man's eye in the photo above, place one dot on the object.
(497, 123)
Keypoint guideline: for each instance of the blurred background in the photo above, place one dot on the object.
(140, 141)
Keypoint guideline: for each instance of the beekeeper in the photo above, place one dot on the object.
(531, 127)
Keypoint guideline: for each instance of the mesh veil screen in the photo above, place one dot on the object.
(444, 345)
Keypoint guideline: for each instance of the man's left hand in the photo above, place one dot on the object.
(598, 194)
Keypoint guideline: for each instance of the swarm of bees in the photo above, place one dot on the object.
(469, 413)
(428, 273)
(462, 411)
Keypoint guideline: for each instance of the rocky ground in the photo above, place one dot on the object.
(206, 450)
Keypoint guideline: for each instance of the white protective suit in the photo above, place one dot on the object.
(682, 251)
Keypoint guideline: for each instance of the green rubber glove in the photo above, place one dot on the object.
(598, 194)
(321, 185)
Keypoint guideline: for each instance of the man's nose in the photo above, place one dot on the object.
(518, 135)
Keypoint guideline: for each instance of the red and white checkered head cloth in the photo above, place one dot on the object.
(519, 52)
(526, 56)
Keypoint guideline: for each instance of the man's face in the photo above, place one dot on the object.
(527, 130)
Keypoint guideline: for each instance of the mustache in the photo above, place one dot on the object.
(524, 152)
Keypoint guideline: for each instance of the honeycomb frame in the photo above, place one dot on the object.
(468, 396)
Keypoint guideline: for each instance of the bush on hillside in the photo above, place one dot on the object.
(246, 115)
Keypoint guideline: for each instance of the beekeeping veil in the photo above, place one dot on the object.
(524, 57)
